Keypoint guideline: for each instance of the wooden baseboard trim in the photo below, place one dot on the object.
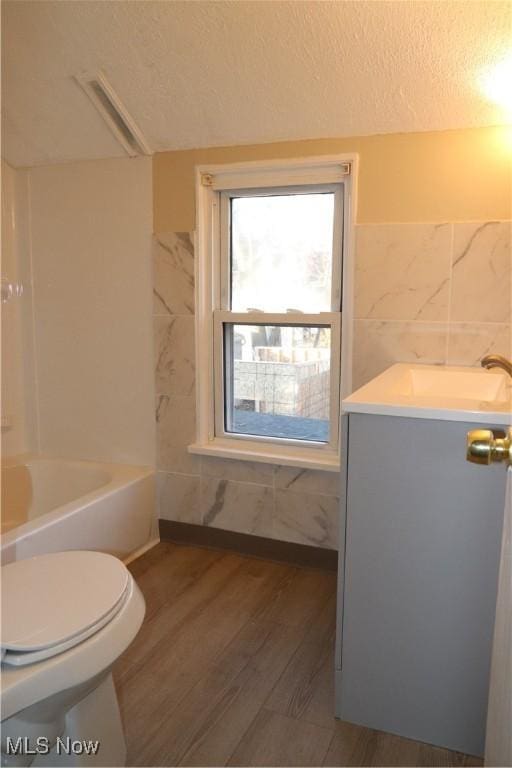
(246, 544)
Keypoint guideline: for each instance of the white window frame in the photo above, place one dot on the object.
(215, 184)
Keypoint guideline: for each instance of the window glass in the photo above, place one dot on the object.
(277, 380)
(281, 252)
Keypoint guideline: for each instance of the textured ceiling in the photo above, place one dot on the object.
(197, 74)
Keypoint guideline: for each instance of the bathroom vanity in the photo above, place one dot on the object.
(417, 586)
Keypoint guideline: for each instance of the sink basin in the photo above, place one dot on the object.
(431, 391)
(461, 384)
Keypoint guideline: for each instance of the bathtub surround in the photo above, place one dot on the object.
(77, 360)
(91, 243)
(19, 430)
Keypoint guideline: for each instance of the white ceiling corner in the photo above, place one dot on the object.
(195, 74)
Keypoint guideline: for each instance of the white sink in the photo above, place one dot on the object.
(430, 391)
(459, 383)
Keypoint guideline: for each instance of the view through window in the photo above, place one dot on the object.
(281, 252)
(280, 381)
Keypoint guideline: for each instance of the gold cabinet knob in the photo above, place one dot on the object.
(486, 446)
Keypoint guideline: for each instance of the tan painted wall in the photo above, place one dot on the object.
(412, 177)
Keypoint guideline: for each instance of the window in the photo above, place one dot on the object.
(272, 274)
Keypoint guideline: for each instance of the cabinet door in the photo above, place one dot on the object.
(422, 552)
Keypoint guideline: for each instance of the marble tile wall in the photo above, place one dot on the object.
(277, 502)
(431, 293)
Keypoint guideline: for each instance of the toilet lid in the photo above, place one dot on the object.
(50, 599)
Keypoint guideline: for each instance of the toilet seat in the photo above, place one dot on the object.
(53, 602)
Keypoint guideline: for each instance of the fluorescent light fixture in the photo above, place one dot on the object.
(114, 113)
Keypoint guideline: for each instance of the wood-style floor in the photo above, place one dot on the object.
(234, 666)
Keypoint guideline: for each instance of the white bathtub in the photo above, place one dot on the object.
(49, 505)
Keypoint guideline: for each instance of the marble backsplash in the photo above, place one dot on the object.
(431, 293)
(428, 293)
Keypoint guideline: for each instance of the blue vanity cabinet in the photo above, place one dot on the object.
(420, 534)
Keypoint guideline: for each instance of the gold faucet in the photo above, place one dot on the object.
(497, 361)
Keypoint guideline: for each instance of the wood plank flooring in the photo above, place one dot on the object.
(234, 666)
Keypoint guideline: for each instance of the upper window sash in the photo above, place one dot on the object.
(223, 281)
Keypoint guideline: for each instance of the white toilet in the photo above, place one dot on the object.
(66, 618)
